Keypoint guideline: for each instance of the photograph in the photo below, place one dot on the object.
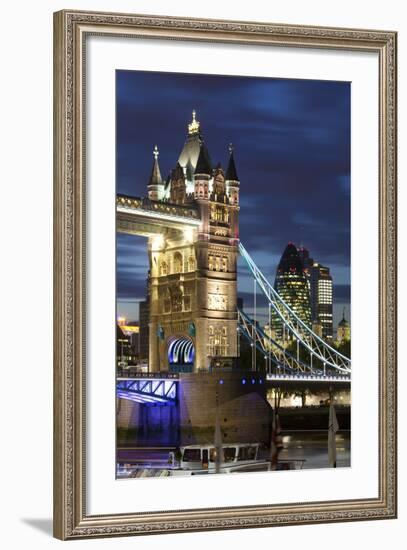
(233, 274)
(224, 251)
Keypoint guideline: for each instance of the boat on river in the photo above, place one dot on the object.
(236, 457)
(202, 459)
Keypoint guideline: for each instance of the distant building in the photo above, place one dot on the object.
(124, 352)
(317, 328)
(292, 285)
(321, 293)
(144, 320)
(144, 315)
(343, 330)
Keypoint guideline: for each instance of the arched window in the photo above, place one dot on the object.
(177, 262)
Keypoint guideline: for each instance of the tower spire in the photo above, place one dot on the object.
(155, 184)
(155, 178)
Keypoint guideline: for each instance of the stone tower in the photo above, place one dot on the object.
(193, 316)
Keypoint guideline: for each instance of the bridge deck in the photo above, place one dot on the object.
(142, 215)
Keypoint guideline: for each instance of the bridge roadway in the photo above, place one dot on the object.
(162, 387)
(164, 375)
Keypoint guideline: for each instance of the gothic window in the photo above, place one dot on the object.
(217, 341)
(187, 303)
(163, 268)
(167, 301)
(219, 214)
(191, 263)
(177, 262)
(219, 185)
(218, 263)
(176, 300)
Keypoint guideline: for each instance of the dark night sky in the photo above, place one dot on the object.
(292, 153)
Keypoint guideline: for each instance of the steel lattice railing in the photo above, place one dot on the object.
(301, 332)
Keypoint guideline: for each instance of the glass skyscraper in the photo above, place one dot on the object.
(320, 285)
(292, 285)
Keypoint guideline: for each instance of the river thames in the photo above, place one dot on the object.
(305, 449)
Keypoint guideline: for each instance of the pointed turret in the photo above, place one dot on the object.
(203, 165)
(344, 322)
(156, 178)
(231, 174)
(232, 179)
(155, 184)
(203, 173)
(343, 330)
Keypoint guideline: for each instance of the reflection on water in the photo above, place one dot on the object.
(312, 447)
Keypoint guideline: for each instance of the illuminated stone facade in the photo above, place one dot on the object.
(193, 272)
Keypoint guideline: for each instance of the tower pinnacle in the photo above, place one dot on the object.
(155, 184)
(194, 126)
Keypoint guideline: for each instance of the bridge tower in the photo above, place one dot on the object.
(193, 298)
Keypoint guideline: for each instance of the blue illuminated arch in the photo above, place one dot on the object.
(181, 354)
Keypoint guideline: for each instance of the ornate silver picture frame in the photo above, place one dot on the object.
(72, 29)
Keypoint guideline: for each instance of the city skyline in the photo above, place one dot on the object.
(293, 161)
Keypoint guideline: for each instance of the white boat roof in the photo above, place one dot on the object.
(212, 445)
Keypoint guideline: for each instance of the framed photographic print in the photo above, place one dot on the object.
(225, 274)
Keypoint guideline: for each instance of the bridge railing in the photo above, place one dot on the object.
(163, 207)
(133, 373)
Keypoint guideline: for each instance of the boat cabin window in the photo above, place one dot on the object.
(192, 455)
(229, 454)
(247, 453)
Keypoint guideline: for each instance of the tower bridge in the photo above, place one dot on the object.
(191, 222)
